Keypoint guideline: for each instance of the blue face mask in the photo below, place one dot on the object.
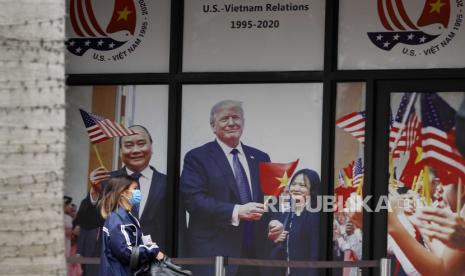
(135, 197)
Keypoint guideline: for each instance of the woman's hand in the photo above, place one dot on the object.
(160, 256)
(396, 206)
(447, 227)
(282, 237)
(275, 228)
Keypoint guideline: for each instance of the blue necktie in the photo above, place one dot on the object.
(244, 195)
(135, 208)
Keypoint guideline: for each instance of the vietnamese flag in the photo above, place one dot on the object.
(349, 172)
(435, 11)
(415, 161)
(413, 166)
(275, 176)
(123, 18)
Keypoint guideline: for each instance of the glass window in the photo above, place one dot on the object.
(117, 36)
(145, 105)
(427, 173)
(280, 123)
(222, 35)
(389, 34)
(349, 173)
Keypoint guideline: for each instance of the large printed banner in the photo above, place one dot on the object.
(230, 133)
(118, 36)
(349, 173)
(426, 184)
(388, 34)
(225, 35)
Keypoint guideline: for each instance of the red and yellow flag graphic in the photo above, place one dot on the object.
(275, 176)
(123, 18)
(345, 193)
(435, 11)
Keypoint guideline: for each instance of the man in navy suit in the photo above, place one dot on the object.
(220, 191)
(136, 152)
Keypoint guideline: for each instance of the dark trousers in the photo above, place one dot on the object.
(249, 253)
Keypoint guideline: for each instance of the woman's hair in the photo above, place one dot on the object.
(312, 179)
(112, 198)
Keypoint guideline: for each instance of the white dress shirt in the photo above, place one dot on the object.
(145, 181)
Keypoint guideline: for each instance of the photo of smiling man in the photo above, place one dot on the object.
(227, 130)
(221, 192)
(136, 152)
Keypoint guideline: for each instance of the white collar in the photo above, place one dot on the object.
(227, 149)
(145, 172)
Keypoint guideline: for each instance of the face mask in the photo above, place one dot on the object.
(135, 197)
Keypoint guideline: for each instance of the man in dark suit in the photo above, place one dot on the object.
(136, 152)
(220, 190)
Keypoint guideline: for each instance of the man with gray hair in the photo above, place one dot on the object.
(220, 190)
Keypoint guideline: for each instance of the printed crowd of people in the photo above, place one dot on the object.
(428, 240)
(347, 238)
(72, 232)
(427, 233)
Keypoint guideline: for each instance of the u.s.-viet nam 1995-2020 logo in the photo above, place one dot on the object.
(421, 32)
(111, 34)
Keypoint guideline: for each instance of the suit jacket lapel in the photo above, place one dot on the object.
(154, 195)
(223, 164)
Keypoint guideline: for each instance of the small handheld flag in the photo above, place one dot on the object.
(354, 124)
(101, 129)
(275, 176)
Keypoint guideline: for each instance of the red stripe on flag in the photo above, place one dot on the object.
(83, 19)
(93, 20)
(404, 15)
(111, 126)
(354, 124)
(393, 15)
(382, 16)
(439, 150)
(105, 129)
(72, 14)
(99, 140)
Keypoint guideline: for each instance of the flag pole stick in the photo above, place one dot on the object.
(418, 182)
(98, 156)
(414, 183)
(391, 170)
(426, 186)
(459, 196)
(360, 188)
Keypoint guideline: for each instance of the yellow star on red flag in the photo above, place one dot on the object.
(283, 180)
(436, 7)
(275, 176)
(124, 14)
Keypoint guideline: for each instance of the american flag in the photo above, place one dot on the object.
(409, 129)
(438, 132)
(353, 123)
(357, 175)
(101, 129)
(341, 180)
(387, 40)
